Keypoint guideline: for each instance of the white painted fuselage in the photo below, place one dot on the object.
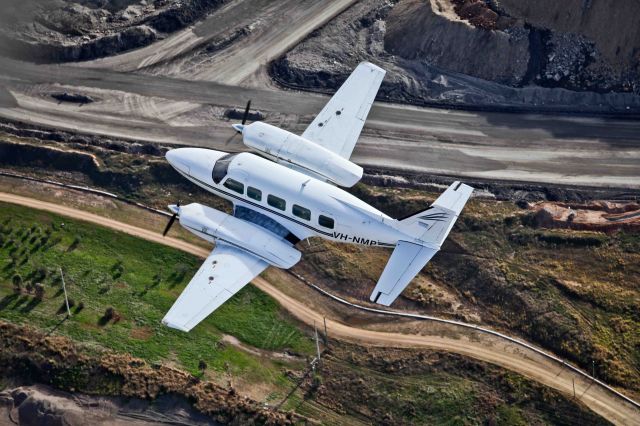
(311, 207)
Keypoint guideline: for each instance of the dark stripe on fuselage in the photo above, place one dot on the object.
(329, 234)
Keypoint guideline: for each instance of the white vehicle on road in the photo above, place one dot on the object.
(291, 193)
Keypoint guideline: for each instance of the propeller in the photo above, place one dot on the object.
(238, 127)
(173, 219)
(246, 112)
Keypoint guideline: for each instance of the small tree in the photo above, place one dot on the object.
(108, 315)
(75, 243)
(17, 283)
(202, 366)
(39, 291)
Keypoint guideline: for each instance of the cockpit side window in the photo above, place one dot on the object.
(221, 167)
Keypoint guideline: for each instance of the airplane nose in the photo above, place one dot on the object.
(178, 158)
(195, 162)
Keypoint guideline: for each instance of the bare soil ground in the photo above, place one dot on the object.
(41, 404)
(68, 30)
(595, 216)
(451, 62)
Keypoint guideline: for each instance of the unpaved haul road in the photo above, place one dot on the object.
(268, 33)
(567, 150)
(450, 338)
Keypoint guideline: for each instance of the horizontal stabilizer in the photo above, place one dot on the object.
(430, 228)
(405, 262)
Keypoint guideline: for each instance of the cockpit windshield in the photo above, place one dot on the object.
(221, 167)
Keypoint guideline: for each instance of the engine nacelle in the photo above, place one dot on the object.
(288, 148)
(216, 226)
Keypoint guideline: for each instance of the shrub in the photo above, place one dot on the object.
(17, 283)
(39, 291)
(75, 243)
(108, 313)
(16, 280)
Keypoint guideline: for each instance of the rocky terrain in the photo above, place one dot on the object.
(43, 405)
(513, 54)
(596, 216)
(29, 356)
(76, 30)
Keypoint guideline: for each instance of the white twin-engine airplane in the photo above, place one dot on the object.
(294, 195)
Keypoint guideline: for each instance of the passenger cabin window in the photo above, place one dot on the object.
(234, 185)
(221, 167)
(276, 202)
(301, 212)
(254, 193)
(325, 221)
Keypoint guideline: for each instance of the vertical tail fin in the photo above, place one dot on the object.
(430, 228)
(434, 224)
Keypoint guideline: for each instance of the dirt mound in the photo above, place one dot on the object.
(448, 53)
(33, 357)
(610, 24)
(76, 30)
(477, 13)
(597, 216)
(556, 44)
(451, 43)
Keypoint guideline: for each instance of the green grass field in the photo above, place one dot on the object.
(140, 281)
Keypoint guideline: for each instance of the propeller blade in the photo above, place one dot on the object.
(173, 218)
(231, 139)
(246, 112)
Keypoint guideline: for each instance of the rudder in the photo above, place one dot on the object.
(434, 224)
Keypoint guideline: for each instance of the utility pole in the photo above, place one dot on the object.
(326, 336)
(593, 368)
(317, 344)
(66, 298)
(573, 380)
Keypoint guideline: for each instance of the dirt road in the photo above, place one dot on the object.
(268, 31)
(469, 343)
(586, 151)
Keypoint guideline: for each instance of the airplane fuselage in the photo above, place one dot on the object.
(304, 205)
(293, 194)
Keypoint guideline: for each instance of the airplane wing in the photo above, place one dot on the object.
(223, 274)
(340, 122)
